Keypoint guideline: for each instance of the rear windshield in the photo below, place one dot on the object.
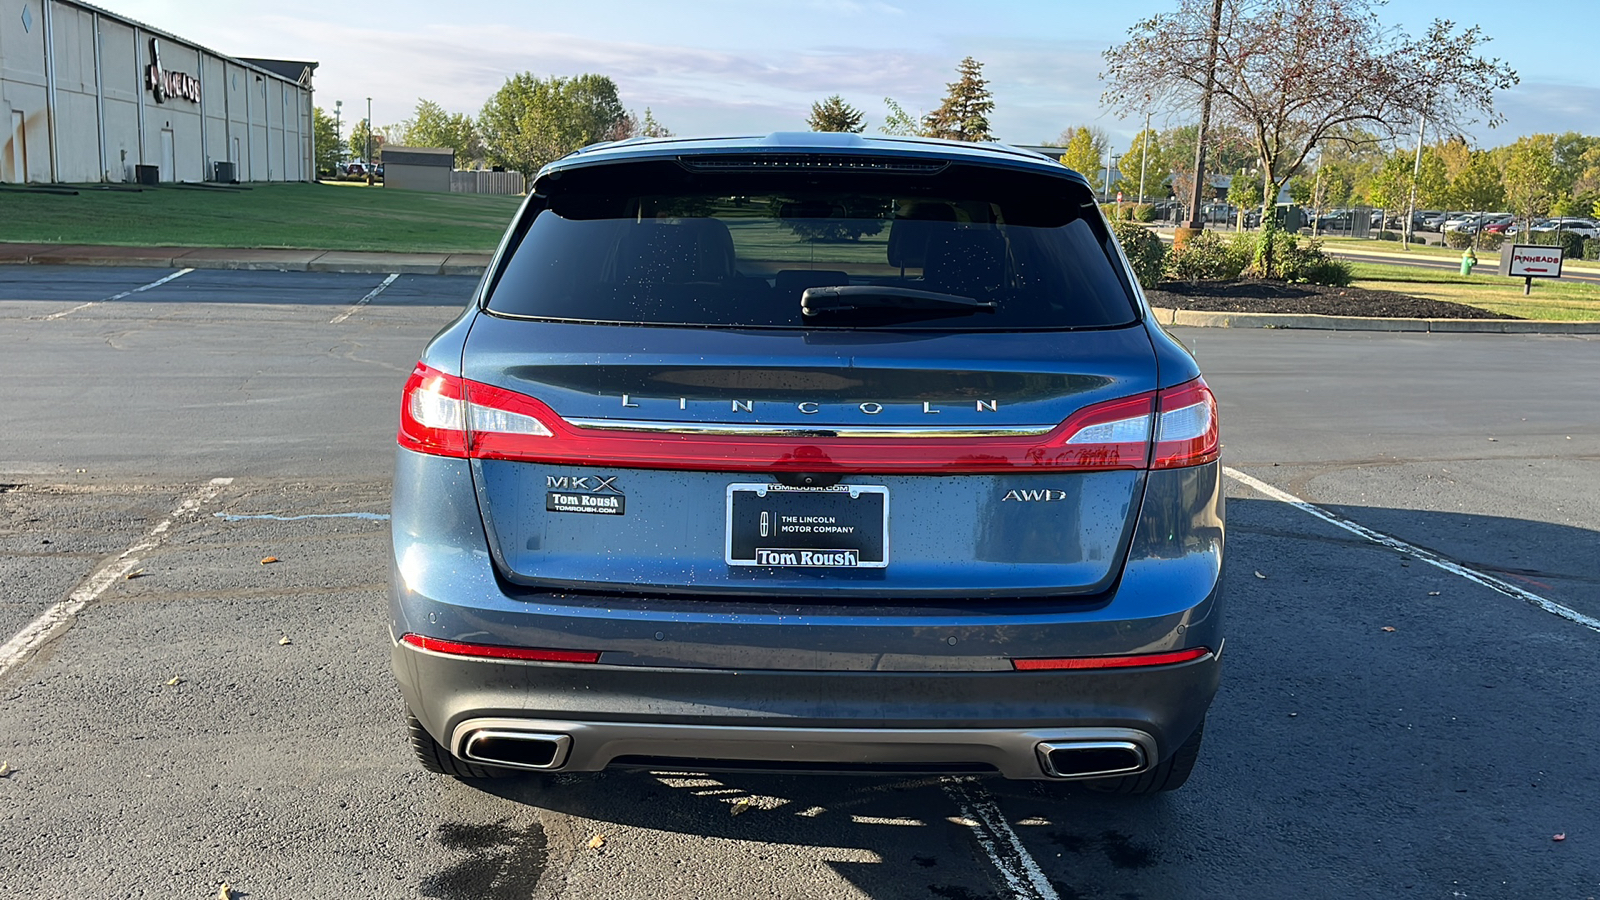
(740, 250)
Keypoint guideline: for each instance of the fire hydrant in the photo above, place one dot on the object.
(1468, 260)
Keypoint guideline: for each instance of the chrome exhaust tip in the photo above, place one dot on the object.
(516, 749)
(1092, 759)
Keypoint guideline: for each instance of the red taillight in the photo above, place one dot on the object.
(447, 415)
(1112, 662)
(494, 651)
(433, 413)
(1186, 427)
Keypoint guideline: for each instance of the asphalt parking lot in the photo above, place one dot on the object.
(1410, 706)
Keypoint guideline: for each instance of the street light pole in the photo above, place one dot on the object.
(338, 125)
(1144, 152)
(1416, 172)
(369, 134)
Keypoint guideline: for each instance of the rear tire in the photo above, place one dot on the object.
(435, 758)
(1168, 776)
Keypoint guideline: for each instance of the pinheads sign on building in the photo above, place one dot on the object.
(163, 84)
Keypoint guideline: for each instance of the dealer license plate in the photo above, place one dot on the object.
(845, 526)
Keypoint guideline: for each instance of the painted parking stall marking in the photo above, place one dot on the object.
(59, 615)
(128, 293)
(356, 306)
(1427, 556)
(1017, 867)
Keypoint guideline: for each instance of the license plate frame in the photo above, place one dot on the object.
(868, 540)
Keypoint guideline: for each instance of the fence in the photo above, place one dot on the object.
(482, 181)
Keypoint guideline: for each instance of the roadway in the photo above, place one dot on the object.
(1410, 707)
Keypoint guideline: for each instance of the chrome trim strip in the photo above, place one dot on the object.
(801, 431)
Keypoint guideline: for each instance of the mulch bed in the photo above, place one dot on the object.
(1303, 299)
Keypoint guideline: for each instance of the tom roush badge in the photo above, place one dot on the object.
(592, 494)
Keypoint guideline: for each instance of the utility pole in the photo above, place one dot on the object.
(1196, 220)
(338, 126)
(369, 133)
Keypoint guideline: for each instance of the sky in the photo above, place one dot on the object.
(755, 66)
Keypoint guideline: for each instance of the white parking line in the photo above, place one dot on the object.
(1427, 556)
(354, 307)
(1018, 867)
(60, 615)
(157, 283)
(370, 517)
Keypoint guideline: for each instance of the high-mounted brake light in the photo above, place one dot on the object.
(496, 651)
(1112, 662)
(446, 415)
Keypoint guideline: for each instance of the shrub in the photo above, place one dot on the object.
(1145, 251)
(1280, 255)
(1206, 257)
(1489, 240)
(1591, 249)
(1388, 236)
(1143, 212)
(1571, 243)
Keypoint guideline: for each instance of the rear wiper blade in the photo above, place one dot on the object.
(837, 298)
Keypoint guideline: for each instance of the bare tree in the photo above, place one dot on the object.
(1297, 73)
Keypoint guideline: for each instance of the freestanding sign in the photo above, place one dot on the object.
(1530, 261)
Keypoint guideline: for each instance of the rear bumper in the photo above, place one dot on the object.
(937, 721)
(805, 680)
(592, 746)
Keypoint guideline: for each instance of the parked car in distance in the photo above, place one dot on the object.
(1498, 224)
(1586, 227)
(1459, 221)
(857, 454)
(1430, 220)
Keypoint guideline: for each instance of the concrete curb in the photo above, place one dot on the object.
(1203, 319)
(248, 259)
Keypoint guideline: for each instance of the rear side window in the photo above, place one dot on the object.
(740, 250)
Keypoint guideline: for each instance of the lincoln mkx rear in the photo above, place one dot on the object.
(809, 452)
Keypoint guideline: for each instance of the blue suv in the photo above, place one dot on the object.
(811, 452)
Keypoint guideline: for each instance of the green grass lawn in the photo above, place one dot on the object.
(1568, 301)
(309, 216)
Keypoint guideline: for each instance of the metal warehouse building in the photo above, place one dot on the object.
(86, 95)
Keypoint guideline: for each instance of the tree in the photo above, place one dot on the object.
(1145, 163)
(358, 142)
(650, 128)
(1294, 74)
(1390, 189)
(531, 121)
(897, 121)
(325, 135)
(1085, 153)
(431, 126)
(1477, 185)
(1530, 176)
(833, 114)
(1243, 191)
(964, 114)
